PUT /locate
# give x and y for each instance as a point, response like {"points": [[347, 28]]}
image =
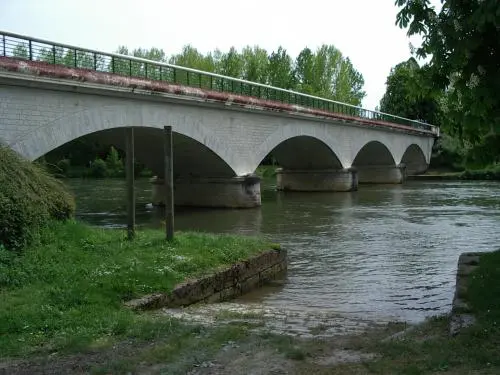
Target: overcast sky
{"points": [[364, 30]]}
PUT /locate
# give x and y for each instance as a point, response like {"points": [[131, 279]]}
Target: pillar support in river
{"points": [[223, 192], [381, 174], [316, 180]]}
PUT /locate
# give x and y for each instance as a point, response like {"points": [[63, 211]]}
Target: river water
{"points": [[383, 253]]}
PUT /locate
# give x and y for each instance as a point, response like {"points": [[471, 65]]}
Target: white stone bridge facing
{"points": [[219, 139]]}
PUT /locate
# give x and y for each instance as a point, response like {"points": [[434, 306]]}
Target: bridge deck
{"points": [[41, 69], [23, 54]]}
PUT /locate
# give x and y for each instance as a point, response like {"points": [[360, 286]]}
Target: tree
{"points": [[464, 42], [328, 74], [52, 55], [304, 71], [280, 70], [409, 93], [255, 64], [153, 53], [230, 64], [191, 58], [137, 68], [21, 51], [349, 84]]}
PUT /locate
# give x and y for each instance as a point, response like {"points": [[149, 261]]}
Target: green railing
{"points": [[24, 47]]}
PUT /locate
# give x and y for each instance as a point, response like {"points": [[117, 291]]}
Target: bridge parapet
{"points": [[147, 73]]}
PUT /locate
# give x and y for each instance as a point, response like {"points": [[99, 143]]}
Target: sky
{"points": [[363, 30]]}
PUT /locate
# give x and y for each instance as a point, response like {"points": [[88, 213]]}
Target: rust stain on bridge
{"points": [[38, 68]]}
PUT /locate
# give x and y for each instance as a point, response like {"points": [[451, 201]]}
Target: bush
{"points": [[447, 153], [114, 163], [491, 172], [484, 153], [64, 166], [99, 168], [29, 199]]}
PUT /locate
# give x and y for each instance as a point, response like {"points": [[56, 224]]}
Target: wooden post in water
{"points": [[129, 170], [169, 183]]}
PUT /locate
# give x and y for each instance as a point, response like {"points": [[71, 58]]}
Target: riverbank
{"points": [[486, 174], [238, 344], [66, 292]]}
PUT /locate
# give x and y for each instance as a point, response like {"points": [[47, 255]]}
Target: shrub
{"points": [[114, 163], [99, 168], [485, 152], [29, 199], [447, 153], [64, 165]]}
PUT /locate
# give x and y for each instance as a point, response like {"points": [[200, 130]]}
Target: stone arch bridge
{"points": [[219, 138]]}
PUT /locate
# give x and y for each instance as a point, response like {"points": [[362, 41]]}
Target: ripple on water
{"points": [[381, 254]]}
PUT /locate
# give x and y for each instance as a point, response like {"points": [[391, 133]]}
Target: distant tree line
{"points": [[324, 72]]}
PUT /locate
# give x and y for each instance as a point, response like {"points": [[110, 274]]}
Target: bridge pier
{"points": [[316, 180], [382, 174], [223, 192]]}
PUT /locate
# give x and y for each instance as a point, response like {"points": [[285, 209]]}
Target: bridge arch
{"points": [[109, 122], [414, 159], [374, 153], [305, 152], [191, 158], [301, 148]]}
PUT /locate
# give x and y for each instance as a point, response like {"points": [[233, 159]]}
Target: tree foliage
{"points": [[255, 64], [409, 94], [464, 42], [328, 74], [324, 72]]}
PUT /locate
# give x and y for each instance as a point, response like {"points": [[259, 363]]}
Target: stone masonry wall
{"points": [[39, 113], [316, 180], [461, 314], [222, 285]]}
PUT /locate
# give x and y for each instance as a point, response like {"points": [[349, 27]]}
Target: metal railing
{"points": [[34, 49]]}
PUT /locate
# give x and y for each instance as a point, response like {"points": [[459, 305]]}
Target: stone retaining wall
{"points": [[222, 285], [461, 314]]}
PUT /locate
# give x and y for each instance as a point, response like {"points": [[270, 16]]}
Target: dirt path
{"points": [[225, 343], [255, 354]]}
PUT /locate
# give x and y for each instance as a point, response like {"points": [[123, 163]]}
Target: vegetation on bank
{"points": [[81, 159], [65, 292], [266, 171], [457, 88], [63, 283], [159, 344], [29, 199]]}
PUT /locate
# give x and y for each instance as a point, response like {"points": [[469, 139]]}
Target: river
{"points": [[383, 253]]}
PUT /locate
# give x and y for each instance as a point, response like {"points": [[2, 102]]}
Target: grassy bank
{"points": [[65, 292], [157, 345], [424, 349], [491, 172]]}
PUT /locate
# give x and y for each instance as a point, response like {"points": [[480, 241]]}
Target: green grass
{"points": [[266, 171], [491, 172], [66, 292], [177, 350]]}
